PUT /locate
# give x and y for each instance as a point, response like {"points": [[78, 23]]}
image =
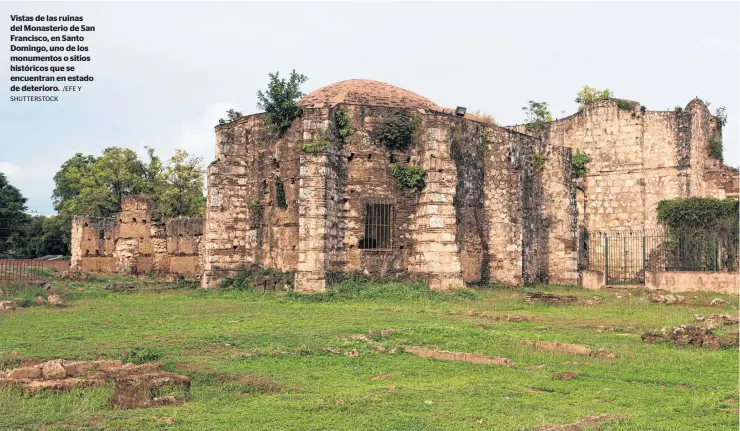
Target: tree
{"points": [[96, 186], [536, 113], [39, 236], [589, 94], [183, 190], [279, 101], [12, 212]]}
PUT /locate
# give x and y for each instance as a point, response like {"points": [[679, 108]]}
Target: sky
{"points": [[166, 72]]}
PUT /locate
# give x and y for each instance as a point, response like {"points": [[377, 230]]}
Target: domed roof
{"points": [[366, 92]]}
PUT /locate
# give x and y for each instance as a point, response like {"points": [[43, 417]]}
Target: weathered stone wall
{"points": [[137, 241], [639, 158], [466, 225], [244, 224]]}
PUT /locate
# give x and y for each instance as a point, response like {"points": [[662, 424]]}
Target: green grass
{"points": [[216, 337]]}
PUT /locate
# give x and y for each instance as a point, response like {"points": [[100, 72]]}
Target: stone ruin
{"points": [[136, 386], [137, 241], [499, 204]]}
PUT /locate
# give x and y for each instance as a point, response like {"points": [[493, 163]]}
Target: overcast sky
{"points": [[165, 72]]}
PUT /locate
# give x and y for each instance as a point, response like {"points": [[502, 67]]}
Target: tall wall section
{"points": [[137, 241], [639, 158]]}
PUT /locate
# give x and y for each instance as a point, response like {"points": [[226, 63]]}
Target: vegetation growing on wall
{"points": [[590, 94], [536, 113], [279, 101], [342, 123], [721, 115], [702, 213], [481, 116], [256, 210], [396, 131], [280, 193], [538, 161], [231, 116], [409, 177], [625, 105], [578, 162], [715, 148]]}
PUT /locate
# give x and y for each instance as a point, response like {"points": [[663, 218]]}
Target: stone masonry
{"points": [[498, 204], [137, 241]]}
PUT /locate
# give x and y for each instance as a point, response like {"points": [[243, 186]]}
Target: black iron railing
{"points": [[625, 254]]}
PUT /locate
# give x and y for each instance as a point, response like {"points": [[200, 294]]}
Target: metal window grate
{"points": [[378, 226]]}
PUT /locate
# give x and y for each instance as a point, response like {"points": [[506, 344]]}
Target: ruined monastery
{"points": [[379, 180]]}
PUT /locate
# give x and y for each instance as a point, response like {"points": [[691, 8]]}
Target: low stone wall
{"points": [[137, 241], [693, 281]]}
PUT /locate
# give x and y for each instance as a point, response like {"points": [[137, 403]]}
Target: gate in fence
{"points": [[624, 255]]}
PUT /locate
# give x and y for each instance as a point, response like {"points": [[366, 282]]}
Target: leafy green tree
{"points": [[590, 94], [39, 236], [279, 101], [12, 211], [182, 191], [536, 113], [96, 186]]}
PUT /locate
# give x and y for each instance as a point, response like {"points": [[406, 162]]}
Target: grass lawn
{"points": [[216, 337]]}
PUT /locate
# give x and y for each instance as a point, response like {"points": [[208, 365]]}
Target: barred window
{"points": [[378, 226]]}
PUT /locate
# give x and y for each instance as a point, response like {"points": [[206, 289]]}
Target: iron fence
{"points": [[625, 254], [28, 270]]}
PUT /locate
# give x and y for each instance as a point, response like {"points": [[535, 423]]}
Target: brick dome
{"points": [[366, 92]]}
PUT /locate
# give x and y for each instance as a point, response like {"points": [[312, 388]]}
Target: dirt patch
{"points": [[564, 376], [137, 386], [587, 423], [575, 349], [472, 358], [548, 298], [258, 384]]}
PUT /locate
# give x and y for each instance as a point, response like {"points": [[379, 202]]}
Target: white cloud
{"points": [[9, 169], [196, 135]]}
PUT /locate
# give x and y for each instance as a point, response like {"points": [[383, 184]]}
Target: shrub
{"points": [[279, 101], [280, 193], [715, 148], [538, 161], [703, 213], [578, 162], [721, 115], [231, 116], [409, 177], [395, 132], [625, 105], [589, 94], [342, 123], [141, 355]]}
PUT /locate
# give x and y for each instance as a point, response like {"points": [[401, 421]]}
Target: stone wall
{"points": [[137, 241], [466, 225], [639, 158]]}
